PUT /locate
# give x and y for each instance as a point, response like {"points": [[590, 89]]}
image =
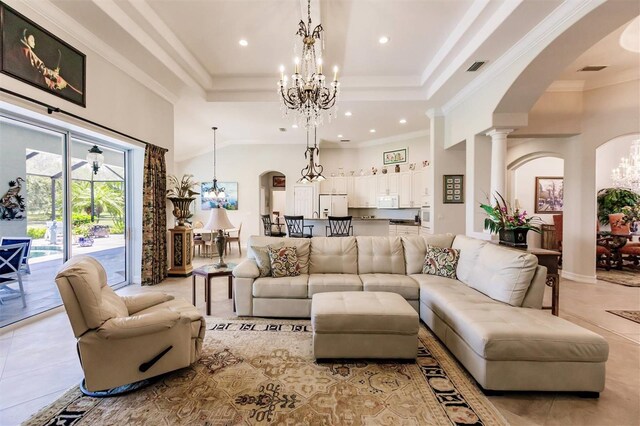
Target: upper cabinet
{"points": [[334, 185], [387, 184], [419, 191]]}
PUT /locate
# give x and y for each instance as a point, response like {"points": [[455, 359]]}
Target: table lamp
{"points": [[218, 220]]}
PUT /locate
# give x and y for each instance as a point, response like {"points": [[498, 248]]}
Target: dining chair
{"points": [[295, 227], [11, 272], [631, 250], [231, 239], [339, 226], [208, 241], [267, 226], [7, 241]]}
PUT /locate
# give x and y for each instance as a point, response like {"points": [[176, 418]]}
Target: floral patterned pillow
{"points": [[263, 261], [441, 261], [284, 262]]}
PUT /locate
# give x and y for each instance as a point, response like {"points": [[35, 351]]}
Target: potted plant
{"points": [[511, 225], [84, 234], [180, 193], [612, 200], [631, 216]]}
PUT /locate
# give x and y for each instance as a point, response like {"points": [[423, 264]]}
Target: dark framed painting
{"points": [[228, 202], [397, 156], [549, 194], [453, 189], [279, 182], [34, 56]]}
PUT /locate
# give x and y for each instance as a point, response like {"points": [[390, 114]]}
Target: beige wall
{"points": [[554, 114]]}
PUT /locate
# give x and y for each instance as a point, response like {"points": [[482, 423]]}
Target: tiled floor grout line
{"points": [[6, 357], [63, 390], [635, 342]]}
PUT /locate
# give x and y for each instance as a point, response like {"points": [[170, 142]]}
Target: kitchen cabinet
{"points": [[400, 230], [387, 184], [404, 194], [364, 192], [419, 190], [334, 185]]}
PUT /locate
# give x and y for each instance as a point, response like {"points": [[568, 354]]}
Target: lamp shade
{"points": [[218, 219]]}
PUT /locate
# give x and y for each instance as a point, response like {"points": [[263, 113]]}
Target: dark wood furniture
{"points": [[339, 226], [268, 227], [208, 272], [550, 259], [295, 227], [549, 241]]}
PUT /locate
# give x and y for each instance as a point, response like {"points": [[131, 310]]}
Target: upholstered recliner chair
{"points": [[124, 340]]}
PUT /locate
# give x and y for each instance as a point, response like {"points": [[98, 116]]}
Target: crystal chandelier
{"points": [[627, 174], [312, 172], [308, 96], [215, 192]]}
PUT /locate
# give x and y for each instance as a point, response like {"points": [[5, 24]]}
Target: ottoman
{"points": [[361, 324]]}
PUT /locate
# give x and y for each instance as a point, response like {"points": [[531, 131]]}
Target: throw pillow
{"points": [[284, 262], [441, 261], [261, 254]]}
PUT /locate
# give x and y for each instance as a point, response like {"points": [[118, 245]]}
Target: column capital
{"points": [[499, 132]]}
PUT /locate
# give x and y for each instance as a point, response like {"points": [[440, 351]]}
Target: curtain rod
{"points": [[52, 109]]}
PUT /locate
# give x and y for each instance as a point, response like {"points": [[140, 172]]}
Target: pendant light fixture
{"points": [[215, 192], [312, 172]]}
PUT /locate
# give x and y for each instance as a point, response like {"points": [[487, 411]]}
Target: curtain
{"points": [[154, 216]]}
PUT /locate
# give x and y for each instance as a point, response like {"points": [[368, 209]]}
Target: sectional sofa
{"points": [[490, 317]]}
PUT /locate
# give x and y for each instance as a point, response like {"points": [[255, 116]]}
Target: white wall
{"points": [[524, 189], [608, 157]]}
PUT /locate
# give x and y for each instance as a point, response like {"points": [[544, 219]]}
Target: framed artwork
{"points": [[398, 156], [229, 202], [279, 182], [33, 55], [549, 194], [453, 189]]}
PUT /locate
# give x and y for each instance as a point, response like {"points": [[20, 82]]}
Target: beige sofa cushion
{"points": [[302, 246], [392, 283], [469, 252], [98, 302], [503, 274], [499, 332], [415, 249], [333, 255], [285, 287], [363, 313], [324, 283], [383, 255]]}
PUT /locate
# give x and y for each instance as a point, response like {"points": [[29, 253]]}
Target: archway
{"points": [[273, 194]]}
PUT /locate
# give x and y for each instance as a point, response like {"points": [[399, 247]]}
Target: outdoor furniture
{"points": [[229, 239], [6, 241], [295, 227], [339, 226], [10, 272], [268, 227]]}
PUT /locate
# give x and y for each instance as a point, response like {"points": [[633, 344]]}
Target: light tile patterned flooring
{"points": [[38, 360]]}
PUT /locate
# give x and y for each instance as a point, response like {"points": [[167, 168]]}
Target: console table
{"points": [[549, 258]]}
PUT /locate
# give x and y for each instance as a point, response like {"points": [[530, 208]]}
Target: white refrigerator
{"points": [[333, 205]]}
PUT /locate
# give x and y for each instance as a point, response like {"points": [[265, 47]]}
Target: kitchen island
{"points": [[370, 227]]}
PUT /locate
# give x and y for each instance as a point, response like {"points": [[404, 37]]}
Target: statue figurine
{"points": [[397, 168]]}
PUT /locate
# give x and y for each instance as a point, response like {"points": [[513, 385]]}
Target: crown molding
{"points": [[56, 17], [566, 86], [625, 76], [561, 18], [120, 17], [163, 30]]}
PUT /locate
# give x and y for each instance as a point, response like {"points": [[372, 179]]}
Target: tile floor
{"points": [[38, 360]]}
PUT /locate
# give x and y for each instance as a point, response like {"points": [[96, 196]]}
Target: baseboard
{"points": [[589, 279]]}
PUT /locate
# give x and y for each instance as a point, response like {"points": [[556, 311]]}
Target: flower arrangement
{"points": [[502, 216], [631, 216], [181, 188]]}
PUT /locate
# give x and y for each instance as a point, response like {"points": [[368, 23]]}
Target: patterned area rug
{"points": [[630, 315], [622, 277], [263, 372]]}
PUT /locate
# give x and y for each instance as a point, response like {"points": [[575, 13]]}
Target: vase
{"points": [[633, 227], [515, 237], [181, 208]]}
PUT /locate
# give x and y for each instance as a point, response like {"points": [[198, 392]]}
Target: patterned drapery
{"points": [[154, 216]]}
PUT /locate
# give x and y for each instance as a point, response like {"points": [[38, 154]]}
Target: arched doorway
{"points": [[273, 194]]}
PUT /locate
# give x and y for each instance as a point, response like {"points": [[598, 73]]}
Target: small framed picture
{"points": [[279, 182], [453, 189], [398, 156], [549, 194]]}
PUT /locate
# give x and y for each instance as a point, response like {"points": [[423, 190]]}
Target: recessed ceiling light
{"points": [[348, 113], [403, 121], [243, 42], [294, 126], [383, 40], [372, 131], [339, 136]]}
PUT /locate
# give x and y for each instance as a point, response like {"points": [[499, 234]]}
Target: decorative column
{"points": [[498, 161], [181, 240]]}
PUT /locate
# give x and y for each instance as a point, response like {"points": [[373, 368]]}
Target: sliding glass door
{"points": [[61, 203]]}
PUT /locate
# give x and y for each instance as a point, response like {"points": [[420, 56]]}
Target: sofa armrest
{"points": [[138, 302], [138, 325], [248, 268]]}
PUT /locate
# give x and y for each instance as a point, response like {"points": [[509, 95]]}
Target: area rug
{"points": [[630, 315], [263, 372], [622, 277]]}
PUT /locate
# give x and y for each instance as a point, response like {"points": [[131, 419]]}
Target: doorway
{"points": [[273, 195]]}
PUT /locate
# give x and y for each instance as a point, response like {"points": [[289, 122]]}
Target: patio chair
{"points": [[7, 241], [10, 272]]}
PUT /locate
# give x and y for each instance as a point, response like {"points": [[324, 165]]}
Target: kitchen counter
{"points": [[372, 227]]}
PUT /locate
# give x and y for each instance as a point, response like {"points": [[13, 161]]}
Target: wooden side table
{"points": [[208, 272], [549, 258]]}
